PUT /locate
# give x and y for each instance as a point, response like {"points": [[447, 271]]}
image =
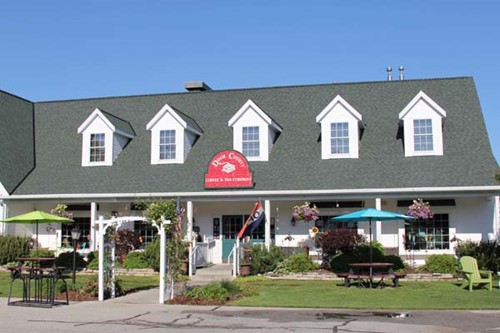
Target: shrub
{"points": [[42, 253], [487, 253], [66, 259], [12, 247], [214, 292], [152, 253], [296, 263], [263, 261], [442, 263], [340, 240], [126, 241], [92, 288], [93, 260], [340, 262], [135, 260]]}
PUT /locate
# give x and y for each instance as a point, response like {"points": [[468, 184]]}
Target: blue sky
{"points": [[53, 50]]}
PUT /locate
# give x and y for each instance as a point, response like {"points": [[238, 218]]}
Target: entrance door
{"points": [[231, 226]]}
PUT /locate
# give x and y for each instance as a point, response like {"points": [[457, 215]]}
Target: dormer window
{"points": [[173, 134], [104, 136], [250, 141], [340, 138], [422, 121], [340, 130], [422, 135], [254, 132], [97, 147], [167, 145]]}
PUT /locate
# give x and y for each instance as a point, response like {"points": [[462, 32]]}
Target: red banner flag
{"points": [[254, 220]]}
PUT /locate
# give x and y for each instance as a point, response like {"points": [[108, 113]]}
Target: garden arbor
{"points": [[117, 223]]}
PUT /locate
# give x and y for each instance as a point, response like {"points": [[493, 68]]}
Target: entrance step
{"points": [[206, 275]]}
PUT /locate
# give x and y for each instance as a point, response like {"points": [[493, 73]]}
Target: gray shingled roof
{"points": [[17, 155], [120, 124], [295, 161]]}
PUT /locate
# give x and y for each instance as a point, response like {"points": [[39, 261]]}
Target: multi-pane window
{"points": [[325, 223], [97, 147], [428, 234], [422, 131], [250, 142], [340, 138], [167, 145], [147, 232], [232, 224], [83, 223]]}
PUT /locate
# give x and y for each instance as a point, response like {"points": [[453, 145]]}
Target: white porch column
{"points": [[496, 217], [267, 209], [378, 225], [93, 233], [3, 215], [101, 259], [189, 221]]}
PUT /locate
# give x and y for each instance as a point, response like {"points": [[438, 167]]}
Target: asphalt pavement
{"points": [[142, 311]]}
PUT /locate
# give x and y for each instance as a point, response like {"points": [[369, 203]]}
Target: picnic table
{"points": [[371, 275], [38, 277]]}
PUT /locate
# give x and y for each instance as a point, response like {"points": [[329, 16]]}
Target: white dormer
{"points": [[173, 134], [103, 138], [254, 132], [422, 121], [3, 191], [340, 124]]}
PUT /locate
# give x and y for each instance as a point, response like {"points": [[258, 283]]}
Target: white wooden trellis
{"points": [[117, 222]]}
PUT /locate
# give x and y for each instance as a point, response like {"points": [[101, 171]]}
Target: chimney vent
{"points": [[389, 73], [196, 86], [401, 72]]}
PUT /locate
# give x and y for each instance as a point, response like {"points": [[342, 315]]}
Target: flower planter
{"points": [[244, 269]]}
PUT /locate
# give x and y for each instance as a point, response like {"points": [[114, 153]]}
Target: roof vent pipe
{"points": [[389, 73], [401, 72]]}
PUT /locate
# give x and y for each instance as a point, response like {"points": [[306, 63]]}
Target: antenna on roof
{"points": [[389, 73], [401, 72]]}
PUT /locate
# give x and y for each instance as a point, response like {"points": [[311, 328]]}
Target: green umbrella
{"points": [[36, 217]]}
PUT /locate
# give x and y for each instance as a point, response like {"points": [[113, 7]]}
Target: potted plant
{"points": [[305, 213], [246, 262]]}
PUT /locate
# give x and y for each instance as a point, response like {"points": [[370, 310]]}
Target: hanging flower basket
{"points": [[420, 210], [305, 213]]}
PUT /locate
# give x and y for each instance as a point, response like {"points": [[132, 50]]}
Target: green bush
{"points": [[152, 253], [487, 253], [296, 263], [12, 247], [92, 288], [66, 259], [442, 263], [263, 261], [135, 260], [93, 260], [340, 262], [214, 292]]}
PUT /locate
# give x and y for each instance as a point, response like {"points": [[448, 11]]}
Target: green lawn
{"points": [[130, 283], [332, 294]]}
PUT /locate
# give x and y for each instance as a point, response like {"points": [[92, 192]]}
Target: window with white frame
{"points": [[251, 141], [97, 147], [340, 138], [167, 145], [422, 133], [422, 121], [341, 126]]}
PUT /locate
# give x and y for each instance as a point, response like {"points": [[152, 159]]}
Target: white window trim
{"points": [[89, 127], [181, 132], [339, 111], [3, 191], [422, 107], [251, 115]]}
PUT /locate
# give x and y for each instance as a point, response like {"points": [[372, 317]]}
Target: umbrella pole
{"points": [[371, 252], [36, 239]]}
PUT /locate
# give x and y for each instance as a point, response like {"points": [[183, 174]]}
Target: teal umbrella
{"points": [[370, 214], [36, 217]]}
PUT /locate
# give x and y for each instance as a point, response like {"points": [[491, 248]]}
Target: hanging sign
{"points": [[228, 169]]}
